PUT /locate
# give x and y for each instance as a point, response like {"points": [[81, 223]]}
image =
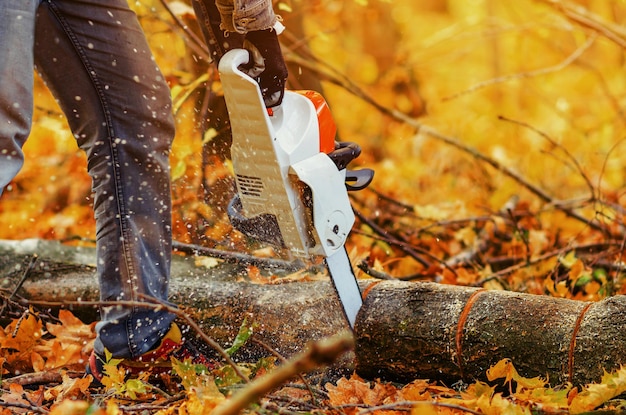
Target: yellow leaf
{"points": [[467, 235], [594, 395], [179, 170], [576, 270], [569, 259], [505, 369], [112, 408], [70, 407], [201, 402], [70, 388], [282, 6], [501, 406], [209, 135], [424, 408], [206, 262], [134, 387], [432, 212]]}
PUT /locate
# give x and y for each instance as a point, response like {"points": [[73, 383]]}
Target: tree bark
{"points": [[404, 330], [287, 316], [425, 330]]}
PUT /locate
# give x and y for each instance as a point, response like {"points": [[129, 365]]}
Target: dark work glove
{"points": [[266, 65]]}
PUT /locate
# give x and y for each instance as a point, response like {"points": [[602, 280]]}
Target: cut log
{"points": [[404, 330], [426, 330], [287, 316]]}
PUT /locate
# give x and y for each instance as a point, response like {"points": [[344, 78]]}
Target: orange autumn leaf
{"points": [[71, 328], [18, 395], [70, 388], [37, 361], [254, 273], [22, 334], [75, 407], [18, 341], [72, 344], [63, 355], [358, 391]]}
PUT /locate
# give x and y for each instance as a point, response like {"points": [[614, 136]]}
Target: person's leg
{"points": [[95, 59], [17, 22]]}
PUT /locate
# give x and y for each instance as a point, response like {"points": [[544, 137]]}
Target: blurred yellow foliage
{"points": [[535, 85]]}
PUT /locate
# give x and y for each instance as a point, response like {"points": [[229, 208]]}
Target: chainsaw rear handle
{"points": [[343, 154]]}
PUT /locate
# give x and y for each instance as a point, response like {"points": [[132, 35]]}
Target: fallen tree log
{"points": [[286, 316], [426, 330], [404, 330]]}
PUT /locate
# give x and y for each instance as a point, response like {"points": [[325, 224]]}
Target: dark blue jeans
{"points": [[95, 59]]}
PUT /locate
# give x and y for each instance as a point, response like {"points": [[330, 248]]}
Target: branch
{"points": [[543, 71], [591, 21], [238, 257], [351, 87], [406, 248], [569, 155], [32, 408], [25, 275], [151, 303], [540, 258], [319, 354], [408, 406], [537, 191], [196, 44]]}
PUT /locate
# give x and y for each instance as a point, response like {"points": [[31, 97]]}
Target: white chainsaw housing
{"points": [[273, 156]]}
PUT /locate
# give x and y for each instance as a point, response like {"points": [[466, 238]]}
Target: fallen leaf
{"points": [[70, 388], [505, 369], [594, 395]]}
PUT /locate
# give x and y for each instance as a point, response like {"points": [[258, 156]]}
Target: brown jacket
{"points": [[243, 16]]}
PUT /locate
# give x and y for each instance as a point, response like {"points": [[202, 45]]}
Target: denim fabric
{"points": [[94, 57]]}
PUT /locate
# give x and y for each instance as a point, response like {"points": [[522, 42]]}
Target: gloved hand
{"points": [[266, 65]]}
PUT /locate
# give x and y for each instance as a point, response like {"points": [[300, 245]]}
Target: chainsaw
{"points": [[291, 175]]}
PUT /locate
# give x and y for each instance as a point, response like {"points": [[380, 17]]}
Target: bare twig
{"points": [[537, 191], [51, 376], [25, 275], [545, 256], [569, 155], [196, 43], [409, 405], [585, 18], [543, 71], [409, 250], [155, 304], [284, 360], [374, 273], [18, 405], [424, 129], [482, 242], [318, 354], [238, 257]]}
